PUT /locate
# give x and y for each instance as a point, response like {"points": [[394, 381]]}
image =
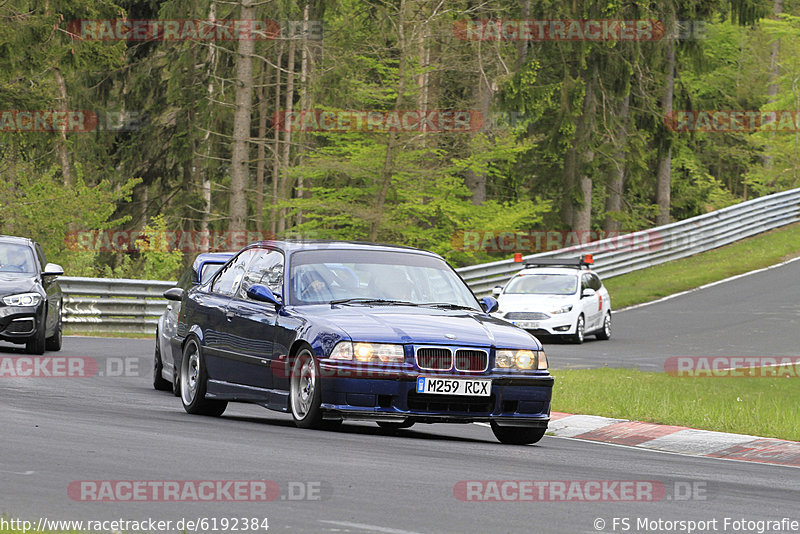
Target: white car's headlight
{"points": [[562, 309], [520, 359], [368, 352], [23, 299]]}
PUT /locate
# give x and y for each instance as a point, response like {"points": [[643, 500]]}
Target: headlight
{"points": [[23, 299], [520, 359], [562, 309], [368, 352]]}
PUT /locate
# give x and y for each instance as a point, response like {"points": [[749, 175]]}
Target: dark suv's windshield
{"points": [[16, 258]]}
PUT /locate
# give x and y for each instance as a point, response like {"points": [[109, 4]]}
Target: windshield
{"points": [[16, 259], [543, 284], [322, 276]]}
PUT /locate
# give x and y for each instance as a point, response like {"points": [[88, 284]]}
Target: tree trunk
{"points": [[303, 95], [582, 218], [261, 152], [388, 162], [284, 188], [772, 88], [664, 170], [617, 182], [476, 182], [276, 143], [61, 145], [240, 165]]}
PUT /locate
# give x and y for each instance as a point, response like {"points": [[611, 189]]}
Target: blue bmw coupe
{"points": [[329, 331]]}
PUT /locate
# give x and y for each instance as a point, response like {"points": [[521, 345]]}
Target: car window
{"points": [[585, 282], [41, 256], [266, 268], [594, 282], [227, 280], [207, 270], [543, 284], [16, 258]]}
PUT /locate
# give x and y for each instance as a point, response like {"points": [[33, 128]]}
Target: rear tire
{"points": [[193, 383], [158, 379], [605, 332], [517, 435]]}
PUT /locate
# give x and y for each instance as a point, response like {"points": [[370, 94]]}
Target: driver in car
{"points": [[16, 261]]}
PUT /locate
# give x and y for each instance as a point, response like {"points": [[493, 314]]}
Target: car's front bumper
{"points": [[559, 324], [20, 323], [515, 400]]}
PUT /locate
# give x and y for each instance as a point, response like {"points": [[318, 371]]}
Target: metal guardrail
{"points": [[113, 305], [619, 255], [124, 305]]}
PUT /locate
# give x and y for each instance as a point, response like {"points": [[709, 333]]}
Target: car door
{"points": [[251, 324], [53, 290], [211, 313], [590, 305]]}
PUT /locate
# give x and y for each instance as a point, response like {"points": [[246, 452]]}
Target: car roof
{"points": [[15, 239], [207, 257], [554, 270], [297, 245]]}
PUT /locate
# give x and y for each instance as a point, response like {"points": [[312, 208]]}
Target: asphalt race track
{"points": [[755, 315], [113, 426]]}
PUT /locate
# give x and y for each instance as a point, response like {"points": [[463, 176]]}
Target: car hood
{"points": [[533, 303], [422, 325], [11, 283]]}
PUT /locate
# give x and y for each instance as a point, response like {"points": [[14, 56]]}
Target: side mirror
{"points": [[489, 304], [496, 290], [588, 292], [174, 293], [53, 269], [262, 293]]}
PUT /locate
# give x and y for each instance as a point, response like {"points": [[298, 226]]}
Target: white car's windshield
{"points": [[543, 284], [322, 276]]}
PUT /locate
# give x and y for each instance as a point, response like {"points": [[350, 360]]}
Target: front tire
{"points": [[305, 394], [517, 435], [54, 343], [580, 331], [38, 342], [605, 333], [193, 383]]}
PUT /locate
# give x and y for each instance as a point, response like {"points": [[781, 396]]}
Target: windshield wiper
{"points": [[448, 305], [362, 300]]}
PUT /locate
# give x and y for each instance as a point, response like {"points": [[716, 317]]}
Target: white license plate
{"points": [[527, 324], [454, 386]]}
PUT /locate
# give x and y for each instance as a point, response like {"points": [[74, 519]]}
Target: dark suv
{"points": [[30, 297]]}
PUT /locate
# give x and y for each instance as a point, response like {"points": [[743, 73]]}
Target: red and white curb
{"points": [[677, 439]]}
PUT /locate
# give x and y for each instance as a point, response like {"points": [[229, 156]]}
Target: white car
{"points": [[557, 298]]}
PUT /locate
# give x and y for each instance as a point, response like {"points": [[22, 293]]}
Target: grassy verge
{"points": [[89, 333], [758, 406], [749, 254]]}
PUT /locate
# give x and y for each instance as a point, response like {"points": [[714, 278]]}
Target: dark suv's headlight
{"points": [[22, 299]]}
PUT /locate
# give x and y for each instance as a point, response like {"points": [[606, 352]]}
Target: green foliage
{"points": [[40, 206]]}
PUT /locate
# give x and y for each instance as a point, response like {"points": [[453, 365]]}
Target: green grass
{"points": [[89, 333], [764, 407], [673, 277]]}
